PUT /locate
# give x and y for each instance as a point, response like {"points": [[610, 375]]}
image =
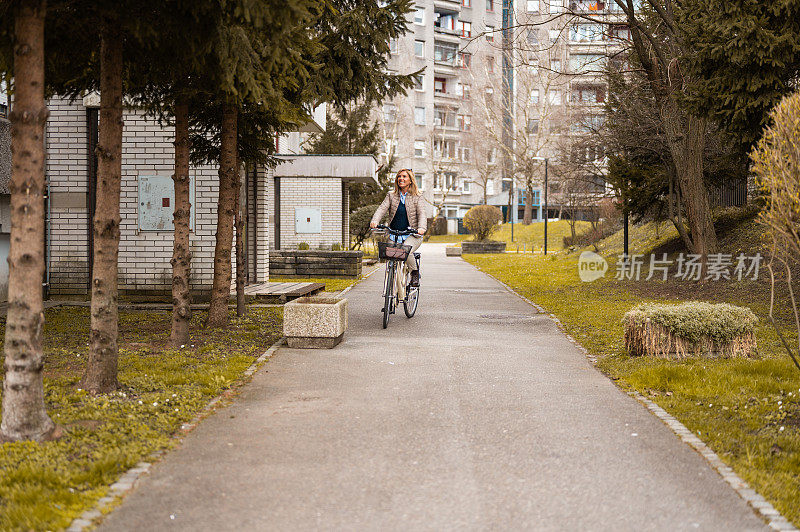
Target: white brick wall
{"points": [[323, 193], [144, 257]]}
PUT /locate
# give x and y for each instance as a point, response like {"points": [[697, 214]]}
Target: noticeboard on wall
{"points": [[307, 220], [157, 203]]}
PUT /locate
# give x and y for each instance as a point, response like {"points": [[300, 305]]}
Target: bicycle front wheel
{"points": [[411, 301], [388, 294]]}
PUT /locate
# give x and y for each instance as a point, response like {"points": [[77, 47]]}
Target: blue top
{"points": [[400, 221]]}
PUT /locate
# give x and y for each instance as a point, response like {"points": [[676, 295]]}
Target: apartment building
{"points": [[456, 44], [563, 48], [505, 85]]}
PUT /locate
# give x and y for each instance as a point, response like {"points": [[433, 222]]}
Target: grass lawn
{"points": [[45, 486], [331, 284], [746, 410], [531, 235]]}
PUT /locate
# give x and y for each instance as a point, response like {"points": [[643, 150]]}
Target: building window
{"points": [[419, 82], [390, 113], [489, 5], [420, 181], [440, 85], [419, 16], [463, 90], [464, 122], [444, 149], [419, 148], [466, 186], [588, 95], [466, 154], [622, 33], [533, 37], [445, 52], [533, 126], [419, 116], [419, 48], [464, 59], [588, 6], [533, 6], [466, 3], [555, 65], [490, 63], [585, 63], [554, 97], [553, 34], [556, 6], [490, 33], [586, 33], [489, 96], [466, 29], [393, 46], [443, 117], [445, 22], [535, 96], [491, 157], [490, 188]]}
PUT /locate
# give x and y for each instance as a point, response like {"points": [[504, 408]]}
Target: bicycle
{"points": [[397, 285]]}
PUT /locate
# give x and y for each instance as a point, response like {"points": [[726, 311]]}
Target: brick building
{"points": [[147, 203]]}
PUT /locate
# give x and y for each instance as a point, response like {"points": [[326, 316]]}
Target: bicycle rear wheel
{"points": [[388, 294]]}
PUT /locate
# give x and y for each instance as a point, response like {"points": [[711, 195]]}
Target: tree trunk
{"points": [[240, 266], [221, 289], [181, 255], [24, 413], [674, 210], [527, 217], [686, 140], [101, 369]]}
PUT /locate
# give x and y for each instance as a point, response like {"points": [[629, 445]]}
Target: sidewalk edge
{"points": [[758, 503], [127, 480]]}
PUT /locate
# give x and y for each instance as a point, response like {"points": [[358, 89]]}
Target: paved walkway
{"points": [[477, 414]]}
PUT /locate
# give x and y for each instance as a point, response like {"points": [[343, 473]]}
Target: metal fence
{"points": [[729, 194]]}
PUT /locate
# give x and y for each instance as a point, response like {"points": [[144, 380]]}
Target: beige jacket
{"points": [[415, 208]]}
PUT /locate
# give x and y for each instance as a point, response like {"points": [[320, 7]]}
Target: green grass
{"points": [[747, 410], [532, 236], [45, 486], [331, 284]]}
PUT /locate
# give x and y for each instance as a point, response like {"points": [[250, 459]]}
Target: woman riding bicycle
{"points": [[406, 209]]}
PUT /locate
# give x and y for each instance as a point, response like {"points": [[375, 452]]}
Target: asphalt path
{"points": [[476, 414]]}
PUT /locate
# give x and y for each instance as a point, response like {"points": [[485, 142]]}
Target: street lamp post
{"points": [[545, 159]]}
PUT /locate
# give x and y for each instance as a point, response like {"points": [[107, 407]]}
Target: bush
{"points": [[336, 247], [359, 224], [482, 220], [303, 245], [691, 328]]}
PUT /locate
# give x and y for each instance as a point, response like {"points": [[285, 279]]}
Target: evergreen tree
{"points": [[24, 413], [745, 58]]}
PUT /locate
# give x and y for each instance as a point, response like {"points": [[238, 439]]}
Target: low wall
{"points": [[315, 263]]}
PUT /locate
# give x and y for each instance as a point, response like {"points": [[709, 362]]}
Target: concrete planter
{"points": [[315, 322], [487, 246], [452, 251]]}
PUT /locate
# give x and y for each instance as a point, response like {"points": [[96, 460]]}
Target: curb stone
{"points": [[128, 479], [759, 504]]}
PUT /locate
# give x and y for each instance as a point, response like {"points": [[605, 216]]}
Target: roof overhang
{"points": [[348, 168]]}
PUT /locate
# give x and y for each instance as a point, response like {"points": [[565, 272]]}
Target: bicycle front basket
{"points": [[392, 251]]}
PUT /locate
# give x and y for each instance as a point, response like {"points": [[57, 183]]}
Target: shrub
{"points": [[776, 164], [336, 246], [359, 224], [690, 328], [482, 220], [303, 245]]}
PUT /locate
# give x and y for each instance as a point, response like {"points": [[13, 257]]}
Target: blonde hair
{"points": [[412, 188]]}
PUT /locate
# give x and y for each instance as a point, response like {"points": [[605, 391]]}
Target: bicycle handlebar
{"points": [[395, 232]]}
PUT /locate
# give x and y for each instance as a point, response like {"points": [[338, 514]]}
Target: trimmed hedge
{"points": [[693, 328]]}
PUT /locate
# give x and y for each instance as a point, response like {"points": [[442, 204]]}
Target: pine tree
{"points": [[24, 413]]}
